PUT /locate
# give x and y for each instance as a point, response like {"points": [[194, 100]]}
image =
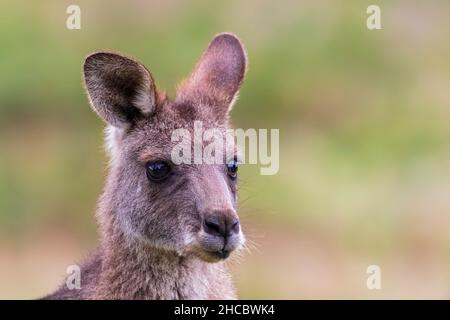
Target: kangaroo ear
{"points": [[120, 89], [218, 74]]}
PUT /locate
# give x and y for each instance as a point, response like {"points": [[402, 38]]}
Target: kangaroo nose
{"points": [[221, 225]]}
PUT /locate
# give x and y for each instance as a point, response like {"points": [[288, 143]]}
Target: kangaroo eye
{"points": [[232, 168], [158, 170]]}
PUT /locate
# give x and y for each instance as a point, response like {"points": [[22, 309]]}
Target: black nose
{"points": [[221, 225]]}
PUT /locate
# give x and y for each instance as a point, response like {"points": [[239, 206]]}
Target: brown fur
{"points": [[153, 242]]}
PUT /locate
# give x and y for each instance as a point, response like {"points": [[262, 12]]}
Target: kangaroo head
{"points": [[187, 208]]}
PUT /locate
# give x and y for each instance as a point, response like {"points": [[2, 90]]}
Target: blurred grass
{"points": [[363, 118]]}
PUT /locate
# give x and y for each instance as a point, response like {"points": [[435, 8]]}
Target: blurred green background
{"points": [[364, 120]]}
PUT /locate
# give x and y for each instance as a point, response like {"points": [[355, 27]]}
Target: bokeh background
{"points": [[364, 119]]}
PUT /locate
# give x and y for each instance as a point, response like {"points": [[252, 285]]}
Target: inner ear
{"points": [[218, 74], [120, 89]]}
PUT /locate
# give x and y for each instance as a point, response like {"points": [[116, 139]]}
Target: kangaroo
{"points": [[165, 229]]}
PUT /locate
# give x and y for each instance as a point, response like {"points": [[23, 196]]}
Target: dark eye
{"points": [[158, 170], [232, 168]]}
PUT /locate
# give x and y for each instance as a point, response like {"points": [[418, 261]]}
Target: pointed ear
{"points": [[120, 89], [218, 74]]}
